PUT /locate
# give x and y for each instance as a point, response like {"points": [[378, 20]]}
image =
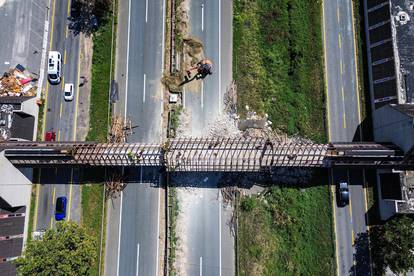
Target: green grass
{"points": [[278, 69], [92, 195], [41, 116], [287, 231], [173, 213], [92, 200], [101, 68], [278, 63]]}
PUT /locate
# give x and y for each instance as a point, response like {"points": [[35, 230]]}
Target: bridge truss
{"points": [[230, 155]]}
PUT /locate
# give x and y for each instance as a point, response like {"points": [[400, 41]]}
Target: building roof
{"points": [[402, 12]]}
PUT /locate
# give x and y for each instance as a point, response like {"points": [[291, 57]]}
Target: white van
{"points": [[54, 67]]}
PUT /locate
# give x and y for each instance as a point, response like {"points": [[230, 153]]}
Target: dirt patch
{"points": [[86, 51]]}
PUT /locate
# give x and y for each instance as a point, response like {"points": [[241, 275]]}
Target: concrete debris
{"points": [[18, 82], [114, 186], [120, 128]]}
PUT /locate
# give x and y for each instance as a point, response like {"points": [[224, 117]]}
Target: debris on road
{"points": [[18, 82], [120, 128], [114, 186]]}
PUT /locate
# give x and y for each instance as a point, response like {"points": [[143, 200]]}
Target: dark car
{"points": [[343, 194], [60, 211]]}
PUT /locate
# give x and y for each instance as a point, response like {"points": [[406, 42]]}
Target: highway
{"points": [[209, 245], [344, 118], [61, 117], [135, 217]]}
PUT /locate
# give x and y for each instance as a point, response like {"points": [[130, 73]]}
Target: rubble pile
{"points": [[120, 128], [17, 82]]}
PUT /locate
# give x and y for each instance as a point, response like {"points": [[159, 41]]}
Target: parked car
{"points": [[60, 209], [343, 194], [68, 93]]}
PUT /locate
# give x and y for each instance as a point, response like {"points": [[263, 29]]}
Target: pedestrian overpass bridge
{"points": [[209, 155]]}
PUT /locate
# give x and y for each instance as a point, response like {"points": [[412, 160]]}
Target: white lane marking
{"points": [[143, 95], [119, 235], [158, 231], [202, 94], [202, 17], [127, 67], [220, 233], [146, 10], [219, 63], [137, 260], [201, 266]]}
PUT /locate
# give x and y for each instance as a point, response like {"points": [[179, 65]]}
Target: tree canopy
{"points": [[66, 250], [86, 15], [393, 245]]}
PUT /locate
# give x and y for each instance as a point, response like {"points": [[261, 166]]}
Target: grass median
{"points": [[93, 213], [278, 69], [278, 63], [287, 231]]}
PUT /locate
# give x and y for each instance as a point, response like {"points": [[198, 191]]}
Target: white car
{"points": [[54, 66], [68, 93]]}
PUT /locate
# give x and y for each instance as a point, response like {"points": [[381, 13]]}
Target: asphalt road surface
{"points": [[138, 73], [60, 117], [210, 245], [344, 120]]}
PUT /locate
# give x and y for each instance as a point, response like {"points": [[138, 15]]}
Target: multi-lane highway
{"points": [[133, 238], [209, 245], [344, 119], [61, 117]]}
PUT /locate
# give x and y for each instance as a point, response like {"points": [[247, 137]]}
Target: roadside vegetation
{"points": [[93, 195], [278, 69], [66, 250], [278, 63], [173, 210], [393, 245], [287, 231]]}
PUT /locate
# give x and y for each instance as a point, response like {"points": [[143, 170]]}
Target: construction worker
{"points": [[204, 67]]}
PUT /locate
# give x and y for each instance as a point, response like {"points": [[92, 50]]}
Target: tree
{"points": [[393, 245], [66, 250], [86, 15]]}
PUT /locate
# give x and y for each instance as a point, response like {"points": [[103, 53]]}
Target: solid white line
{"points": [[220, 233], [137, 260], [143, 95], [202, 94], [201, 266], [127, 67], [146, 10], [219, 57], [119, 235], [202, 17], [158, 231]]}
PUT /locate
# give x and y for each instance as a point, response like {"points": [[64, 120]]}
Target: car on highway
{"points": [[343, 194], [50, 136], [54, 66], [60, 209], [68, 93]]}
